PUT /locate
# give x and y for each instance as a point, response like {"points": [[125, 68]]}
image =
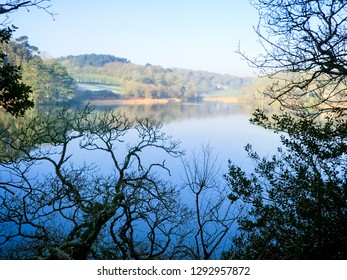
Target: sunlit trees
{"points": [[149, 80], [50, 82], [54, 206], [14, 95], [304, 51], [19, 51]]}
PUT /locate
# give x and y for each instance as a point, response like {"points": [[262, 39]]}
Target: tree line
{"points": [[97, 60], [49, 81], [54, 80], [149, 81]]}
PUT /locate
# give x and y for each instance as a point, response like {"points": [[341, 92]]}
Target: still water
{"points": [[224, 127]]}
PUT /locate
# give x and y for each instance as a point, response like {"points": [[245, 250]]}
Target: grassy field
{"points": [[225, 96], [98, 86], [96, 78]]}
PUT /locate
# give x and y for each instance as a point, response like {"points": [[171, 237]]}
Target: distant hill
{"points": [[149, 81], [96, 60]]}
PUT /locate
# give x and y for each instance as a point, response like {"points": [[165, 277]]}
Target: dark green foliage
{"points": [[296, 201], [50, 81], [87, 95], [96, 60], [14, 95]]}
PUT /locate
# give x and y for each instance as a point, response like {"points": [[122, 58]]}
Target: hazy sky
{"points": [[193, 34]]}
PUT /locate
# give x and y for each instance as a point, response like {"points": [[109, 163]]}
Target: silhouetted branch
{"points": [[304, 53]]}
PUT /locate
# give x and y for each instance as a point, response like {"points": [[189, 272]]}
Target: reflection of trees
{"points": [[173, 111], [54, 208]]}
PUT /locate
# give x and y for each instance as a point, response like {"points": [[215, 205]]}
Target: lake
{"points": [[224, 127]]}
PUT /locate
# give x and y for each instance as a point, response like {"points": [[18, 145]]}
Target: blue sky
{"points": [[193, 34]]}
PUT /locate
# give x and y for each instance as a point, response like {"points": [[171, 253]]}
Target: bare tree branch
{"points": [[213, 212], [304, 52], [69, 209]]}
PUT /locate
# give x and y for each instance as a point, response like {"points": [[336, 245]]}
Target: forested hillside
{"points": [[49, 80], [148, 81], [101, 76], [97, 60]]}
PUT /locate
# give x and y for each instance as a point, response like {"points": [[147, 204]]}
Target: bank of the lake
{"points": [[149, 101]]}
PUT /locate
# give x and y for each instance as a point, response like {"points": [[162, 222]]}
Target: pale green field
{"points": [[97, 87]]}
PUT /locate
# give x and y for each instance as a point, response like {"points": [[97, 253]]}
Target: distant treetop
{"points": [[97, 60]]}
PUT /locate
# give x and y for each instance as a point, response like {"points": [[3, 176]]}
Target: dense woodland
{"points": [[49, 80], [148, 81], [55, 80]]}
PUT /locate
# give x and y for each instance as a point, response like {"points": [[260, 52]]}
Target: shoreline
{"points": [[149, 101], [139, 101]]}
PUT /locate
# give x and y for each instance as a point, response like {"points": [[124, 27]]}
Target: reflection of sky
{"points": [[227, 135], [224, 127], [226, 132]]}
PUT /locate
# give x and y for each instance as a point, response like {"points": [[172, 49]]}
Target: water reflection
{"points": [[223, 126], [176, 111]]}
